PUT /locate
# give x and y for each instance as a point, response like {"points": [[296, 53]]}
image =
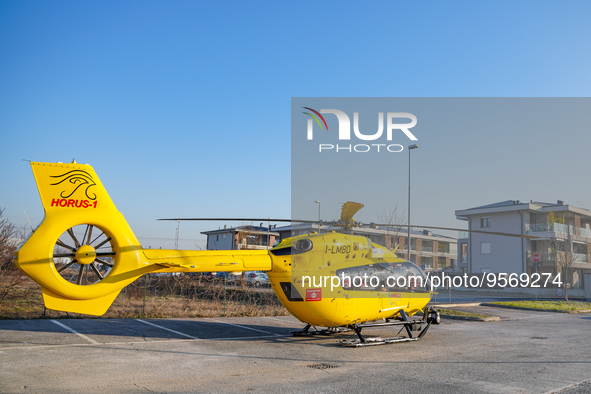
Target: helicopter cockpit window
{"points": [[399, 276]]}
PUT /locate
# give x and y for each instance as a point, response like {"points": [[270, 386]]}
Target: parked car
{"points": [[226, 277], [257, 279], [208, 275], [221, 277]]}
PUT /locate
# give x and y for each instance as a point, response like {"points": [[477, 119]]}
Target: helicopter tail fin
{"points": [[83, 252], [72, 188]]}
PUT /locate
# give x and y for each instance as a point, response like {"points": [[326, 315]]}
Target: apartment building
{"points": [[557, 230], [242, 237]]}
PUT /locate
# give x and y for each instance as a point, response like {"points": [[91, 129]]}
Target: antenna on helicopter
{"points": [[32, 229]]}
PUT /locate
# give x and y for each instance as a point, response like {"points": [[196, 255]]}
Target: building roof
{"points": [[506, 203], [242, 229], [516, 205]]}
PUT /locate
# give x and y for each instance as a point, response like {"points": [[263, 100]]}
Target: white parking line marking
{"points": [[167, 329], [247, 328], [136, 343], [288, 322], [75, 332]]}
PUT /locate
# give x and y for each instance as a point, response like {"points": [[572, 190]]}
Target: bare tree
{"points": [[8, 243], [391, 219], [10, 238], [561, 251]]}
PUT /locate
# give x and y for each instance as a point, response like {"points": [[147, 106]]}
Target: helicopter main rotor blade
{"points": [[243, 220], [336, 224], [457, 229]]}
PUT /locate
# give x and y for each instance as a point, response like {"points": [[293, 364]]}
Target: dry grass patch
{"points": [[548, 305], [166, 296]]}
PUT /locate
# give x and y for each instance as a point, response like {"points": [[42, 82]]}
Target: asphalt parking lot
{"points": [[524, 352]]}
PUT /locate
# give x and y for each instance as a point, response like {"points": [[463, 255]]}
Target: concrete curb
{"points": [[448, 305], [471, 318], [532, 309]]}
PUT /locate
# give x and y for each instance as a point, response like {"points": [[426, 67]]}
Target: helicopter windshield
{"points": [[399, 276]]}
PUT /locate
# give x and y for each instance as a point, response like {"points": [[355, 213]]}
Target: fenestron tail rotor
{"points": [[83, 255]]}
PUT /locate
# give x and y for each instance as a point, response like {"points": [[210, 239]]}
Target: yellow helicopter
{"points": [[334, 280]]}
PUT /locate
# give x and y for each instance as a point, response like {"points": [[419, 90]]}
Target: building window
{"points": [[464, 253], [485, 248], [484, 222]]}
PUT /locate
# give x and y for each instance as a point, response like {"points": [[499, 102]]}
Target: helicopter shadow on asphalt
{"points": [[105, 331]]}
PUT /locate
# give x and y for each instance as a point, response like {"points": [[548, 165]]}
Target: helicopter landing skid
{"points": [[305, 332], [429, 316], [375, 341]]}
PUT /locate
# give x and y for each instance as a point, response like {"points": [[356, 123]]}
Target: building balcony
{"points": [[557, 228], [251, 247], [549, 227], [425, 253]]}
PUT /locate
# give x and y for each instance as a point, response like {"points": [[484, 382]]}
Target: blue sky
{"points": [[183, 107]]}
